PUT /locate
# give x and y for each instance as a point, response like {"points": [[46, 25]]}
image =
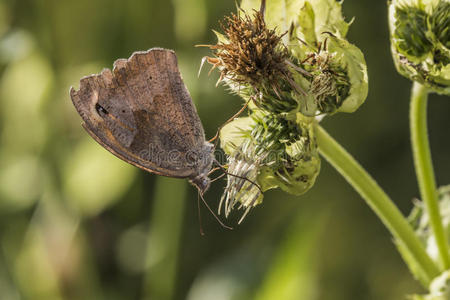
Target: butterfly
{"points": [[142, 112]]}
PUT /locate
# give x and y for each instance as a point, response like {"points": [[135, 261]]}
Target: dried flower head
{"points": [[253, 60], [252, 54]]}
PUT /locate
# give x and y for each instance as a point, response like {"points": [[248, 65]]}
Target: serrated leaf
{"points": [[328, 17]]}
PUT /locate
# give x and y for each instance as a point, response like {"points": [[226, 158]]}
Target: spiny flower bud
{"points": [[420, 41], [267, 151], [339, 81]]}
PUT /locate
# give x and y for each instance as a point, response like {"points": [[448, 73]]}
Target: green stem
{"points": [[424, 168], [377, 199]]}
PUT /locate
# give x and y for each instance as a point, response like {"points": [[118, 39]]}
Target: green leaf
{"points": [[328, 17], [232, 134], [306, 21], [279, 14]]}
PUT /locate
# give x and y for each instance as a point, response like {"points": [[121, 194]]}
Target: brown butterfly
{"points": [[142, 112]]}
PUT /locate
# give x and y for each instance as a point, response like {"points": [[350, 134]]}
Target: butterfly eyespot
{"points": [[100, 109]]}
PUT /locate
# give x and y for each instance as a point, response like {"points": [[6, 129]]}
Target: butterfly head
{"points": [[201, 182]]}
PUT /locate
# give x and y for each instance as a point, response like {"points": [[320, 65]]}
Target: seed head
{"points": [[253, 54], [255, 63]]}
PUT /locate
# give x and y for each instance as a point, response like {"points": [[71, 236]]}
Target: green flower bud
{"points": [[339, 81], [420, 41], [269, 151]]}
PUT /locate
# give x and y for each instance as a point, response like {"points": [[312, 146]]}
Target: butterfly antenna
{"points": [[228, 121], [237, 176], [213, 170], [211, 211], [199, 215]]}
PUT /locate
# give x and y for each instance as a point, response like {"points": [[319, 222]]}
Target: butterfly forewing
{"points": [[143, 113]]}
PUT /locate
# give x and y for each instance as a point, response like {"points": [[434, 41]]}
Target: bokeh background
{"points": [[78, 223]]}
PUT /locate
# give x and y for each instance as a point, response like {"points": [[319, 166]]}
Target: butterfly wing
{"points": [[142, 112]]}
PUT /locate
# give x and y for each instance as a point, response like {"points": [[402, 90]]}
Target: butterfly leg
{"points": [[211, 211], [217, 178]]}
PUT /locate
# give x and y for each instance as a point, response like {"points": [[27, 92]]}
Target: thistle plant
{"points": [[289, 79], [292, 65]]}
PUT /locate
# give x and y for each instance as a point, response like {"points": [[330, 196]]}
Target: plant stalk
{"points": [[377, 199], [424, 168]]}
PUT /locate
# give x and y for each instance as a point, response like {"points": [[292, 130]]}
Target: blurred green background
{"points": [[78, 223]]}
